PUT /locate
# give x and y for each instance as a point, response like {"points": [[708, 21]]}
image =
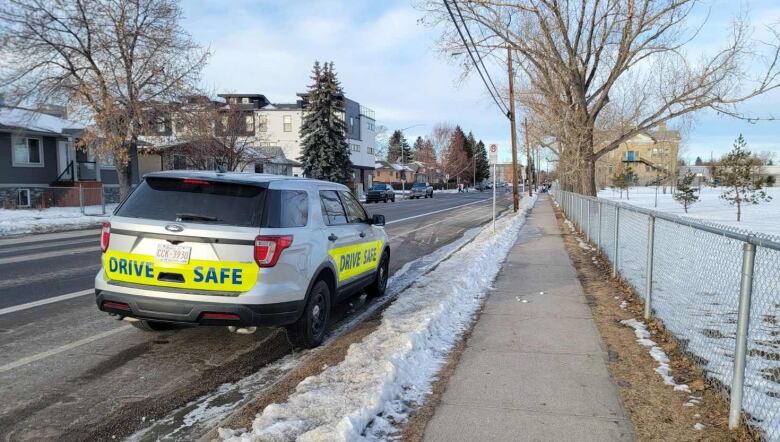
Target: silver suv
{"points": [[241, 250]]}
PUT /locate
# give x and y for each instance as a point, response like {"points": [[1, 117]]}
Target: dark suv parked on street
{"points": [[380, 192]]}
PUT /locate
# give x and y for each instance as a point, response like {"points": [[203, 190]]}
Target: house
{"points": [[393, 173], [425, 173], [40, 165], [702, 174], [267, 125], [652, 157]]}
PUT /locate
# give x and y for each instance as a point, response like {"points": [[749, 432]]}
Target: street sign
{"points": [[493, 153]]}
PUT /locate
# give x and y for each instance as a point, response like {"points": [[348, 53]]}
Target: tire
{"points": [[152, 326], [378, 287], [309, 330], [393, 198]]}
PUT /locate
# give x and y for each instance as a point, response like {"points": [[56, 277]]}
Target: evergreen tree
{"points": [[622, 180], [686, 194], [325, 152], [739, 175], [470, 147], [699, 162], [422, 151], [395, 146], [483, 165]]}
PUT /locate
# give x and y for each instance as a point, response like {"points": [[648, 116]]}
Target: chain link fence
{"points": [[716, 288]]}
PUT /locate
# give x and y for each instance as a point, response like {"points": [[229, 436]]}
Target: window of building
{"points": [[370, 125], [262, 123], [249, 121], [160, 126], [179, 162], [27, 152], [332, 211], [23, 198], [287, 120], [370, 150], [245, 100], [351, 124], [354, 147], [107, 160]]}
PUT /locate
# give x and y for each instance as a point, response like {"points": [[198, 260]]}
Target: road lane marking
{"points": [[68, 272], [44, 255], [38, 237], [435, 212], [37, 357], [431, 224], [40, 302], [37, 245]]}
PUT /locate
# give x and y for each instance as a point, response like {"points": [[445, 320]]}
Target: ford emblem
{"points": [[174, 228]]}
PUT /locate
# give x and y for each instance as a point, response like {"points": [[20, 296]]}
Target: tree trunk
{"points": [[123, 177], [588, 170]]}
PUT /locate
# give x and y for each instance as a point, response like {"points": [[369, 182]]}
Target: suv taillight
{"points": [[105, 236], [268, 248]]}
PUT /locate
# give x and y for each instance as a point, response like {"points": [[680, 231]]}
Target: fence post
{"points": [[598, 234], [743, 323], [617, 237], [587, 221], [649, 278], [81, 199], [103, 199]]}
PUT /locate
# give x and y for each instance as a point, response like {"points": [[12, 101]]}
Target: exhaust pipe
{"points": [[242, 330]]}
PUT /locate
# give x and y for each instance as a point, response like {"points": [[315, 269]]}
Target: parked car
{"points": [[238, 250], [420, 190], [380, 192]]}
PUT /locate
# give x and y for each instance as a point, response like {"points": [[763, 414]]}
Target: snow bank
{"points": [[643, 337], [391, 370], [19, 221]]}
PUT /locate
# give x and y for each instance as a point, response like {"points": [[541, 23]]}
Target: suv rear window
{"points": [[194, 200]]}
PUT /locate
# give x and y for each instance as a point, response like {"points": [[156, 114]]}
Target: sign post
{"points": [[494, 161]]}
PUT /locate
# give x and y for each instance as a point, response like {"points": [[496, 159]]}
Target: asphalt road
{"points": [[70, 372]]}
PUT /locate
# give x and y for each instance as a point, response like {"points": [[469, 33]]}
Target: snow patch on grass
{"points": [[663, 369], [383, 377]]}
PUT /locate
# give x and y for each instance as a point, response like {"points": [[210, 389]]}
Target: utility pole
{"points": [[528, 156], [515, 184]]}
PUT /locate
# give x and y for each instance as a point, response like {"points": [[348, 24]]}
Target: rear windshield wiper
{"points": [[195, 217]]}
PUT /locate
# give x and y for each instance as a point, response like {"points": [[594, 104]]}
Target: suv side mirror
{"points": [[377, 220]]}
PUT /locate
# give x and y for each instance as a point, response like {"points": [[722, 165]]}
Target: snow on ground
{"points": [[643, 337], [19, 221], [391, 370], [758, 218]]}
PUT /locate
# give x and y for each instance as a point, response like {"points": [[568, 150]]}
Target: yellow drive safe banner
{"points": [[356, 259], [199, 275]]}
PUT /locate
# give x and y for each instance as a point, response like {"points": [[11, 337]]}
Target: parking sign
{"points": [[493, 153]]}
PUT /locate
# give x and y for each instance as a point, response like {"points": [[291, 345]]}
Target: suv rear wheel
{"points": [[378, 287], [309, 330]]}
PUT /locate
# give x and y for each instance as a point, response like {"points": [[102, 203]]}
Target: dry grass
{"points": [[657, 412]]}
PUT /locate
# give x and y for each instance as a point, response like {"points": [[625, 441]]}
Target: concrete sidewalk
{"points": [[533, 368]]}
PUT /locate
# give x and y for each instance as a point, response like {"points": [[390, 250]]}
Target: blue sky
{"points": [[388, 61]]}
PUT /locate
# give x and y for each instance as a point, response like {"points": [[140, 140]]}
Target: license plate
{"points": [[173, 254]]}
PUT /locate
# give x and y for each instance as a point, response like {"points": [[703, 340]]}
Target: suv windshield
{"points": [[378, 187], [419, 185], [195, 200]]}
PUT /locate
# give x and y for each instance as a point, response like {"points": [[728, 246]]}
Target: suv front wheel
{"points": [[378, 287], [309, 330]]}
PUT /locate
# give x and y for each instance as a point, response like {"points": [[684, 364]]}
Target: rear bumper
{"points": [[192, 312]]}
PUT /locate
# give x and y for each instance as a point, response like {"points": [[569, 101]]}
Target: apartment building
{"points": [[652, 156], [268, 126]]}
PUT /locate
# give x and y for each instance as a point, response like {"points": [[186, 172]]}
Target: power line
{"points": [[473, 60], [479, 56]]}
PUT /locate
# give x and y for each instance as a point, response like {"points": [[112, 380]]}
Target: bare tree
{"points": [[109, 60], [218, 134], [441, 138], [602, 71]]}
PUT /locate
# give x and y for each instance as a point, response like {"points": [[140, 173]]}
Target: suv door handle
{"points": [[362, 234], [332, 237]]}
